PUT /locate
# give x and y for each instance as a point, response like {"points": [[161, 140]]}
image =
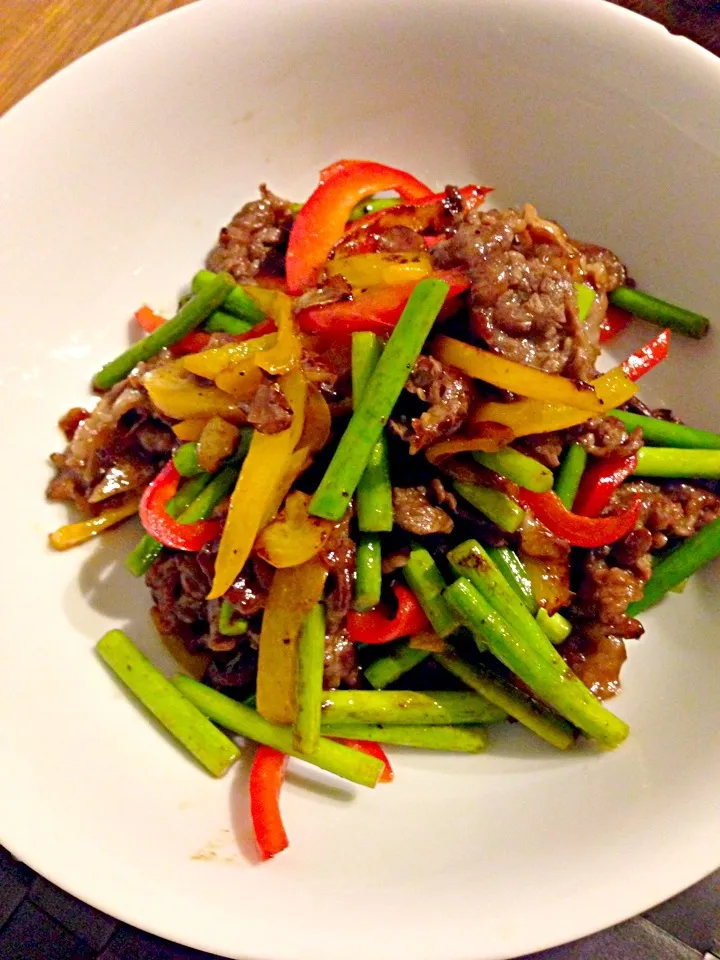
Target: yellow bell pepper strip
{"points": [[299, 462], [177, 394], [210, 363], [293, 594], [516, 377], [374, 269], [318, 421], [524, 417], [293, 537], [321, 220], [263, 469], [73, 534], [189, 430], [285, 354], [241, 380], [217, 442]]}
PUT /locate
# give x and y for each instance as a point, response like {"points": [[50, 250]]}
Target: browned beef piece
{"points": [[547, 558], [269, 410], [72, 420], [255, 239], [545, 447], [674, 510], [597, 658], [523, 302], [233, 672], [113, 450], [413, 511], [332, 290], [179, 585], [398, 239], [338, 555], [442, 496], [607, 437], [341, 666], [448, 393], [613, 577], [249, 591]]}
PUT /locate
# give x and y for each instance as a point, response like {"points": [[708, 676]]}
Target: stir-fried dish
{"points": [[390, 492]]}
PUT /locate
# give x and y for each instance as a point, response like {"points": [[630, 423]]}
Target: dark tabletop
{"points": [[40, 922]]}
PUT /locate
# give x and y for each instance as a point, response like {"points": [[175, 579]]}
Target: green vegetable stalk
{"points": [[678, 565], [570, 474], [496, 505], [515, 703], [389, 668], [189, 316], [408, 707], [660, 312], [373, 498], [533, 659], [368, 572], [310, 666], [373, 412], [238, 303], [427, 583], [463, 739], [241, 719], [663, 433], [518, 467], [185, 722]]}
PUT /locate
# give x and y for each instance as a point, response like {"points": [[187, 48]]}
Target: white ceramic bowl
{"points": [[114, 179]]}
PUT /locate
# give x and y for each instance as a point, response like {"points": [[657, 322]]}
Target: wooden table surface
{"points": [[38, 37]]}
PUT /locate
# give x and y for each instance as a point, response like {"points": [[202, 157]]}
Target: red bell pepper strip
{"points": [[194, 342], [376, 310], [374, 626], [647, 357], [579, 531], [599, 482], [266, 779], [158, 522], [259, 330], [360, 236], [320, 222], [614, 322], [372, 750]]}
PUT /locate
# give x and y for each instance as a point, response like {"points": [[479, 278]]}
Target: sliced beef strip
{"points": [[447, 392], [269, 410], [341, 666], [234, 672], [255, 239], [607, 437], [413, 511], [523, 303], [338, 554], [544, 447], [613, 577], [114, 449], [248, 593]]}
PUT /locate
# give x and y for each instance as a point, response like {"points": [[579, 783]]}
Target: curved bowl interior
{"points": [[115, 178]]}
